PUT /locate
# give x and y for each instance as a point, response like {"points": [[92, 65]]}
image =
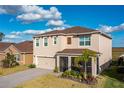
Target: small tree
{"points": [[1, 36], [86, 54], [9, 61]]}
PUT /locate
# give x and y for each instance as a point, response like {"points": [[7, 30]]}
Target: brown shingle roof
{"points": [[74, 51], [26, 46], [4, 45], [76, 29]]}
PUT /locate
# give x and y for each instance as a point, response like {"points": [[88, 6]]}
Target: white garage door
{"points": [[46, 63]]}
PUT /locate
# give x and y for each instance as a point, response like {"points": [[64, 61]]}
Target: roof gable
{"points": [[26, 46], [5, 45]]}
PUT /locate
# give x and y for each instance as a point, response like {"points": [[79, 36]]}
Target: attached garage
{"points": [[46, 63]]}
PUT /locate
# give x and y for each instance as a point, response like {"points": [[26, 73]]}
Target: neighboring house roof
{"points": [[118, 49], [72, 31], [26, 46], [4, 45], [74, 51]]}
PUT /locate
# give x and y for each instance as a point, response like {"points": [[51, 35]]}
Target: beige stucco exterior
{"points": [[25, 58], [99, 43]]}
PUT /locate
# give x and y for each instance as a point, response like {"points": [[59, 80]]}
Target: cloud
{"points": [[109, 29], [12, 36], [17, 36], [2, 11], [32, 13], [55, 23], [35, 13], [11, 20], [34, 32], [11, 9], [7, 40], [29, 17]]}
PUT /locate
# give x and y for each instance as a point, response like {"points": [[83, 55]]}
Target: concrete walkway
{"points": [[13, 80]]}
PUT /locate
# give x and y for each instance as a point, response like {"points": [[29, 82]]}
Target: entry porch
{"points": [[66, 61]]}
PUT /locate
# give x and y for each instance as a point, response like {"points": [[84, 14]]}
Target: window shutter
{"points": [[68, 40]]}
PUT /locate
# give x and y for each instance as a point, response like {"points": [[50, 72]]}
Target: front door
{"points": [[63, 64]]}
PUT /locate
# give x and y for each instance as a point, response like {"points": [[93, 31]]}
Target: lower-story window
{"points": [[17, 56]]}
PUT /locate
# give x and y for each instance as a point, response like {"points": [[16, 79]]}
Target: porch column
{"points": [[94, 67], [36, 63], [57, 60], [69, 62]]}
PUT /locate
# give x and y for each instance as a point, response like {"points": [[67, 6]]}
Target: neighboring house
{"points": [[59, 47], [23, 51], [117, 52]]}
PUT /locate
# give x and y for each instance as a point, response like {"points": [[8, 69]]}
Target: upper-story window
{"points": [[85, 41], [37, 42], [45, 41], [54, 40], [68, 40]]}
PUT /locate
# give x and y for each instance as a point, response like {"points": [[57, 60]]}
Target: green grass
{"points": [[113, 83], [113, 78], [6, 71]]}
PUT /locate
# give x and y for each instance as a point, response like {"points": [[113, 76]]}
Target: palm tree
{"points": [[86, 55], [1, 36]]}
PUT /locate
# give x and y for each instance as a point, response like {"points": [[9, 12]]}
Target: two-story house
{"points": [[60, 47]]}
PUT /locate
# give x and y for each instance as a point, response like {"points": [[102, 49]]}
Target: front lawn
{"points": [[113, 83], [6, 71], [108, 79], [52, 81]]}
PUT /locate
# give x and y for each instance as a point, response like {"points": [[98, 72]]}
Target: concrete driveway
{"points": [[13, 80]]}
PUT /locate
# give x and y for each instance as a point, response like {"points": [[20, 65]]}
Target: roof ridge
{"points": [[75, 29]]}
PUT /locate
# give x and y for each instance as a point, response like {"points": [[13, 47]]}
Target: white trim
{"points": [[47, 41], [38, 38], [59, 34], [85, 41], [53, 40], [66, 34]]}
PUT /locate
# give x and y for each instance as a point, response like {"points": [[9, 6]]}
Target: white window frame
{"points": [[85, 40], [54, 40], [44, 41], [37, 42]]}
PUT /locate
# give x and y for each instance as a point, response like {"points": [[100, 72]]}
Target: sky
{"points": [[20, 23]]}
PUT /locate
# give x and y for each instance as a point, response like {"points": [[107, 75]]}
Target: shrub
{"points": [[32, 66], [89, 75], [71, 74], [82, 74], [66, 73], [79, 77], [56, 70], [120, 70], [9, 61]]}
